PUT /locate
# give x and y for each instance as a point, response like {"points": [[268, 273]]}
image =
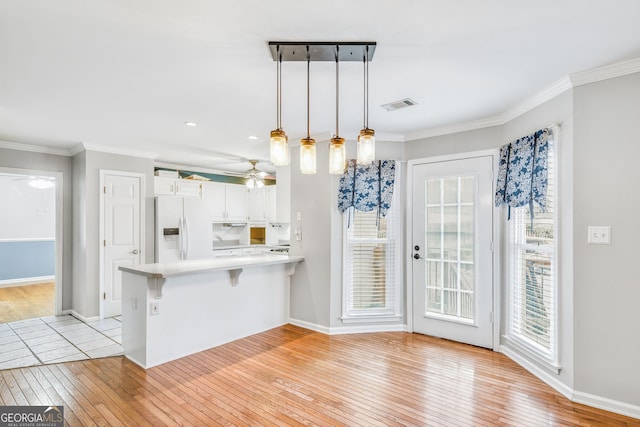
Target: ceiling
{"points": [[127, 74]]}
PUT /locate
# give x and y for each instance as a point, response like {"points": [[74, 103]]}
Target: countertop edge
{"points": [[166, 270]]}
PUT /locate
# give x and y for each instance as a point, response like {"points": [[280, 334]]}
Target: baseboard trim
{"points": [[308, 325], [79, 316], [342, 330], [366, 329], [599, 402], [607, 404], [26, 281], [542, 374]]}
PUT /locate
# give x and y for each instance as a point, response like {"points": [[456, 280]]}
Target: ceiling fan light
{"points": [[250, 183], [337, 156], [308, 156], [366, 151], [279, 148]]}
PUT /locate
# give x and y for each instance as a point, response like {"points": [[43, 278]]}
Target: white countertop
{"points": [[168, 269]]}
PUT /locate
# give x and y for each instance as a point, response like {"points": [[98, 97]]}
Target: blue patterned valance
{"points": [[522, 171], [367, 187]]}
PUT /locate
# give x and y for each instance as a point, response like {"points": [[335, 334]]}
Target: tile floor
{"points": [[58, 339]]}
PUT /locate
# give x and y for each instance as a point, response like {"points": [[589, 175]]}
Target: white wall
{"points": [[86, 203], [28, 212], [607, 287], [316, 288]]}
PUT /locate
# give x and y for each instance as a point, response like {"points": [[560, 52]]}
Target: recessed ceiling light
{"points": [[190, 123], [253, 137]]}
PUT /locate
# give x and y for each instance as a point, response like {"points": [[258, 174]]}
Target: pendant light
{"points": [[308, 144], [366, 140], [278, 145], [337, 150]]}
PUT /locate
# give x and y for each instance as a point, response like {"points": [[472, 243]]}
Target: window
{"points": [[532, 275], [370, 288]]}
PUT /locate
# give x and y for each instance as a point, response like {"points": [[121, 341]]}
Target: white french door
{"points": [[452, 249]]}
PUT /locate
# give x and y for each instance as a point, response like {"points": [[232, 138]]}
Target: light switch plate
{"points": [[599, 235]]}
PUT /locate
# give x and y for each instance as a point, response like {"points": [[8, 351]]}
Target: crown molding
{"points": [[536, 100], [34, 148], [605, 72], [111, 150], [568, 82], [456, 128]]}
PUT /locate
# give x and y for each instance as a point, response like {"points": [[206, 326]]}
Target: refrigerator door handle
{"points": [[180, 238], [186, 238]]}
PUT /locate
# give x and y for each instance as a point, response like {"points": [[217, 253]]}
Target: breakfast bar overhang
{"points": [[172, 310]]}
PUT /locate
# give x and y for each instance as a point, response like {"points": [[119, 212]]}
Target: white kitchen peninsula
{"points": [[172, 310]]}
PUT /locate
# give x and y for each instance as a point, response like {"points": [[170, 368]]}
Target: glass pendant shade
{"points": [[279, 148], [307, 155], [337, 156], [366, 147]]}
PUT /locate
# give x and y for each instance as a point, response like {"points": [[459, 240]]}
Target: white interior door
{"points": [[453, 250], [122, 217]]}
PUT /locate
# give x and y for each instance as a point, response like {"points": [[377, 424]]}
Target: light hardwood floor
{"points": [[26, 302], [292, 376]]}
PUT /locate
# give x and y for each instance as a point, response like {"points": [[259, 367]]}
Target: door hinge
{"points": [[491, 246], [104, 189], [104, 295], [491, 317], [104, 243]]}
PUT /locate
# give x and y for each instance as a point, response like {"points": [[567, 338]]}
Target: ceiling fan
{"points": [[254, 177]]}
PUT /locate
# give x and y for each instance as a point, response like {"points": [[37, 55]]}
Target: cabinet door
{"points": [[270, 204], [257, 211], [188, 188], [237, 202], [164, 186], [213, 195]]}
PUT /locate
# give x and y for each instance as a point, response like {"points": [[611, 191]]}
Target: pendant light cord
{"points": [[366, 92], [279, 86], [337, 88], [308, 90]]}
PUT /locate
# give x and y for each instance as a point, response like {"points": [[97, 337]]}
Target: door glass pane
{"points": [[450, 232], [450, 190], [433, 191], [450, 235], [434, 232]]}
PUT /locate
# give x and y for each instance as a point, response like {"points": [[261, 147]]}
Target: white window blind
{"points": [[370, 264], [533, 287]]}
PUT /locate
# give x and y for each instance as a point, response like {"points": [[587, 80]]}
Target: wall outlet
{"points": [[599, 235], [154, 308]]}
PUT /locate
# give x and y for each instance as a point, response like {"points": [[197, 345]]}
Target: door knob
{"points": [[416, 247], [416, 256], [135, 252]]}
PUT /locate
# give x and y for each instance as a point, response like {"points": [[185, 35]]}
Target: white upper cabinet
{"points": [[271, 205], [177, 187], [226, 202], [236, 202], [262, 204], [257, 202], [213, 194]]}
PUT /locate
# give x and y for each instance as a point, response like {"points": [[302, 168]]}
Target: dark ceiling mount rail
{"points": [[323, 51]]}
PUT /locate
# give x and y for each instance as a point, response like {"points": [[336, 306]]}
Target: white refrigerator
{"points": [[183, 229]]}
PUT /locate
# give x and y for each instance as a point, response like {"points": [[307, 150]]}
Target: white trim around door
{"points": [[496, 235]]}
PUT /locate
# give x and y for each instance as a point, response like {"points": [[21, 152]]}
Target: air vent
{"points": [[396, 105]]}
